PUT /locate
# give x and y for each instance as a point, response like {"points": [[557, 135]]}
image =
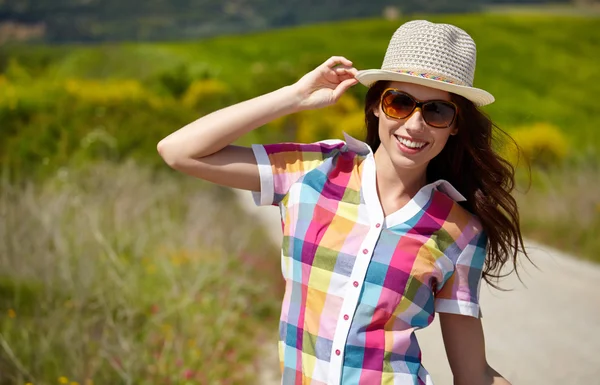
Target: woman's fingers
{"points": [[343, 87], [335, 60], [345, 70]]}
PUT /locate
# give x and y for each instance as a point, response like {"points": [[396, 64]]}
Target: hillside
{"points": [[540, 68]]}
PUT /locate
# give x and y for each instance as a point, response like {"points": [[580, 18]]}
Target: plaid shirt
{"points": [[358, 283]]}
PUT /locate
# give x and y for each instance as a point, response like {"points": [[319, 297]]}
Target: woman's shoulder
{"points": [[458, 220]]}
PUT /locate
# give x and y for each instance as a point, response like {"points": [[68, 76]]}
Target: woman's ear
{"points": [[454, 131], [376, 111]]}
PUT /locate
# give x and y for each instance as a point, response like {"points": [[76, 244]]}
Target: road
{"points": [[544, 331]]}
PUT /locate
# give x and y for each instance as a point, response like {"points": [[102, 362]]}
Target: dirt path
{"points": [[544, 331]]}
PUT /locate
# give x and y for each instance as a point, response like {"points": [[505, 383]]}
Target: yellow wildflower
{"points": [[63, 380], [11, 313], [74, 383]]}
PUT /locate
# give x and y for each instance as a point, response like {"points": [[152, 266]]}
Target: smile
{"points": [[412, 144]]}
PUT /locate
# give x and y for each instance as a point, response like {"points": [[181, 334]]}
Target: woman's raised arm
{"points": [[203, 148]]}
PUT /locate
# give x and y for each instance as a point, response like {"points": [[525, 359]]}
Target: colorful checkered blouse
{"points": [[358, 283]]}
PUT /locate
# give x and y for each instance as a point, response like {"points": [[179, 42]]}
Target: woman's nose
{"points": [[415, 121]]}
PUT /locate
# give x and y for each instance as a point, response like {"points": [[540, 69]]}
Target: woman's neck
{"points": [[396, 185]]}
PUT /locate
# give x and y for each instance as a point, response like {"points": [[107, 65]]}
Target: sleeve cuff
{"points": [[266, 195], [457, 307]]}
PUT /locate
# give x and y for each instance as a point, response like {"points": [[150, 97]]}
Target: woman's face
{"points": [[411, 143]]}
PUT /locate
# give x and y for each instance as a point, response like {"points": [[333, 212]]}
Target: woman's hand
{"points": [[325, 84], [203, 148]]}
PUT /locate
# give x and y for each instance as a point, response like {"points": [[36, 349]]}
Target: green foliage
{"points": [[206, 95], [536, 71], [331, 122], [175, 81], [47, 125], [15, 72], [114, 274], [178, 79], [541, 145]]}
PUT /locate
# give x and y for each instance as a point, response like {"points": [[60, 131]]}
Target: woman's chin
{"points": [[401, 161]]}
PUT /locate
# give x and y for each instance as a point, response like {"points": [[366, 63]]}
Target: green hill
{"points": [[540, 68]]}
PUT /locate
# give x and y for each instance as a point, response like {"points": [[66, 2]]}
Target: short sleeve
{"points": [[459, 293], [281, 165]]}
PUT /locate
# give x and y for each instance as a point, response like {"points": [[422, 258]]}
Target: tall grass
{"points": [[562, 208], [112, 274]]}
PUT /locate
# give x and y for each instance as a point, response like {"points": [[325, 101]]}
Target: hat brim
{"points": [[478, 96]]}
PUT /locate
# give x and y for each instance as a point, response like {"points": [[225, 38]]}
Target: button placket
{"points": [[351, 302]]}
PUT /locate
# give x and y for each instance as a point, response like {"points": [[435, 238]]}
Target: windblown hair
{"points": [[469, 162]]}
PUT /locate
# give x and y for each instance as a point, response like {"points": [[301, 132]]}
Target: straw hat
{"points": [[435, 55]]}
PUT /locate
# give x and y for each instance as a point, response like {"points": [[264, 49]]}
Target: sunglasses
{"points": [[397, 104]]}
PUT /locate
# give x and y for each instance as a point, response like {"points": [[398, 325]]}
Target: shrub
{"points": [[206, 95], [541, 145], [16, 72], [108, 92], [47, 125], [331, 122], [175, 81]]}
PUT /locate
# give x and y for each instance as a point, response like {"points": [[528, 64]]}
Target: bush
{"points": [[331, 122], [175, 81], [16, 72], [541, 145], [108, 92], [206, 95], [47, 125]]}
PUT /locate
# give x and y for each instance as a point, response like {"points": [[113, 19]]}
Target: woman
{"points": [[378, 236]]}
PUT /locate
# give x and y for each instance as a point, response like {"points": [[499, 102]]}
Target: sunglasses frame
{"points": [[418, 104]]}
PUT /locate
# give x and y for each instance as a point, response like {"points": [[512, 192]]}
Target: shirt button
{"points": [[346, 317], [355, 283], [378, 225], [365, 251], [337, 352]]}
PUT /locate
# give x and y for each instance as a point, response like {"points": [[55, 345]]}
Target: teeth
{"points": [[409, 143]]}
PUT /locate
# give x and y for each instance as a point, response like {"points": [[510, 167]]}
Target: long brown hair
{"points": [[469, 162]]}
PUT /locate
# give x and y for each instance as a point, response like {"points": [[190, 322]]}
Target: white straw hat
{"points": [[435, 55]]}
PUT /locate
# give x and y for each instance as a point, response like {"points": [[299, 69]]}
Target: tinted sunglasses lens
{"points": [[397, 105], [439, 114]]}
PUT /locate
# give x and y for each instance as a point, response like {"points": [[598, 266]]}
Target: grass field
{"points": [[116, 274]]}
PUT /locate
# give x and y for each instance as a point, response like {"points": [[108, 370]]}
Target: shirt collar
{"points": [[356, 145]]}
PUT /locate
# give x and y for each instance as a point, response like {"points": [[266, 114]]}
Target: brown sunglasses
{"points": [[398, 104]]}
